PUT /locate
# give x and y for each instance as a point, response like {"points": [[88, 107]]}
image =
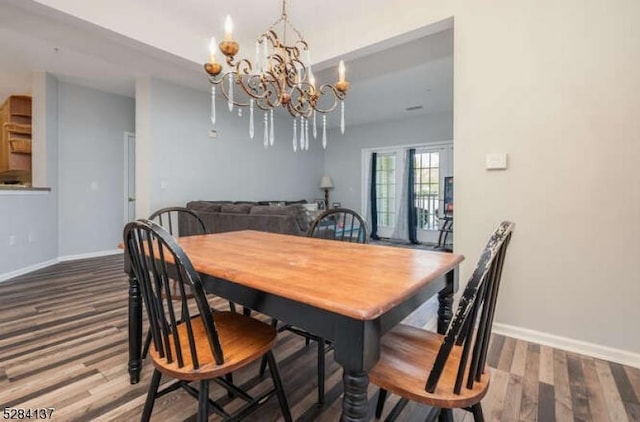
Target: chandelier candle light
{"points": [[278, 77]]}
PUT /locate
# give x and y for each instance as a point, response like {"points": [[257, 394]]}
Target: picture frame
{"points": [[320, 204]]}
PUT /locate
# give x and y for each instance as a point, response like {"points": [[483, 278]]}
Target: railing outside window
{"points": [[427, 189]]}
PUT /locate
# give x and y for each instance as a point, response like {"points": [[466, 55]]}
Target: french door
{"points": [[431, 164]]}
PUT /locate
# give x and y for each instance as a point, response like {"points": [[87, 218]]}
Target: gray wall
{"points": [[184, 164], [31, 219], [344, 152], [91, 174]]}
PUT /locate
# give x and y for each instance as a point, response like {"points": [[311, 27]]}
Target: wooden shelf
{"points": [[15, 139], [20, 146]]}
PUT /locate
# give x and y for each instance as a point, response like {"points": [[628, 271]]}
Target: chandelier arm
{"points": [[301, 101], [264, 107], [272, 37], [252, 84], [263, 102], [243, 66], [230, 74], [292, 73], [327, 89], [271, 82], [230, 61], [303, 45]]}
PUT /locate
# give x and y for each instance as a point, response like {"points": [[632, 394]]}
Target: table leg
{"points": [[355, 406], [356, 349], [135, 329], [445, 299]]}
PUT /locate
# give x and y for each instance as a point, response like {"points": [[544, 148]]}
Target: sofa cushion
{"points": [[236, 208], [269, 210], [228, 222], [206, 206], [297, 212]]}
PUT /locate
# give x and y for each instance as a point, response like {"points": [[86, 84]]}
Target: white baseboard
{"points": [[34, 267], [25, 270], [572, 345], [90, 255]]}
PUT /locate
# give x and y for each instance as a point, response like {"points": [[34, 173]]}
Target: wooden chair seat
{"points": [[242, 338], [404, 354]]}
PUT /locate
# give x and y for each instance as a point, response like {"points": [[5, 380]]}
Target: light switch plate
{"points": [[496, 161]]}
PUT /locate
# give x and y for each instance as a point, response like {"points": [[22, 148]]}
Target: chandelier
{"points": [[280, 76]]}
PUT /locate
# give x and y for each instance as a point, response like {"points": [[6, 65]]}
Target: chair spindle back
{"points": [[478, 300], [179, 221], [157, 260], [340, 224]]}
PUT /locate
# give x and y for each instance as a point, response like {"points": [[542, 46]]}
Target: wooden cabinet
{"points": [[15, 139]]}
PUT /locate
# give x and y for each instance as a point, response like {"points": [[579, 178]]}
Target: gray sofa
{"points": [[269, 216]]}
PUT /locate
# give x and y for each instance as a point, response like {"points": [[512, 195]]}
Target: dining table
{"points": [[348, 293]]}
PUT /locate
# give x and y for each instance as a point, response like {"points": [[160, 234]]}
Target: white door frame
{"points": [[128, 137]]}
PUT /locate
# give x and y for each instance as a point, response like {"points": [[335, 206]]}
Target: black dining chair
{"points": [[178, 221], [341, 224], [191, 341], [446, 371]]}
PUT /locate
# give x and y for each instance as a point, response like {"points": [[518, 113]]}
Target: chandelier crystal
{"points": [[280, 76]]}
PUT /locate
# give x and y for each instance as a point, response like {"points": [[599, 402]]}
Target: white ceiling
{"points": [[386, 77]]}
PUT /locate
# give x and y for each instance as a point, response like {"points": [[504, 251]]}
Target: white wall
{"points": [[554, 85], [343, 153], [91, 168], [182, 163]]}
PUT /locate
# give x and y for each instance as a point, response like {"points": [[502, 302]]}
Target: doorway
{"points": [[432, 163], [129, 176]]}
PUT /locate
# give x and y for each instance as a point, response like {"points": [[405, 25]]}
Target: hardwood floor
{"points": [[63, 344]]}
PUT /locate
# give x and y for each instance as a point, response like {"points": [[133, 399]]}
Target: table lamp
{"points": [[326, 183]]}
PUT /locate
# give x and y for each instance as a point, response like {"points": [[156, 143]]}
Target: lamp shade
{"points": [[326, 183]]}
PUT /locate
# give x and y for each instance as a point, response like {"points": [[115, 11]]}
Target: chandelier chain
{"points": [[284, 18]]}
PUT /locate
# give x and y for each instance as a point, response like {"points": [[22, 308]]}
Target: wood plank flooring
{"points": [[63, 344]]}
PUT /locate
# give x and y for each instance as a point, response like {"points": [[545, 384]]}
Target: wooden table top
{"points": [[351, 279]]}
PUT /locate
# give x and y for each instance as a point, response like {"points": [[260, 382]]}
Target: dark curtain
{"points": [[373, 198], [412, 220]]}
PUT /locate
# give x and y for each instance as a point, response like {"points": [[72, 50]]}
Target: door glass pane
{"points": [[386, 188], [427, 189]]}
